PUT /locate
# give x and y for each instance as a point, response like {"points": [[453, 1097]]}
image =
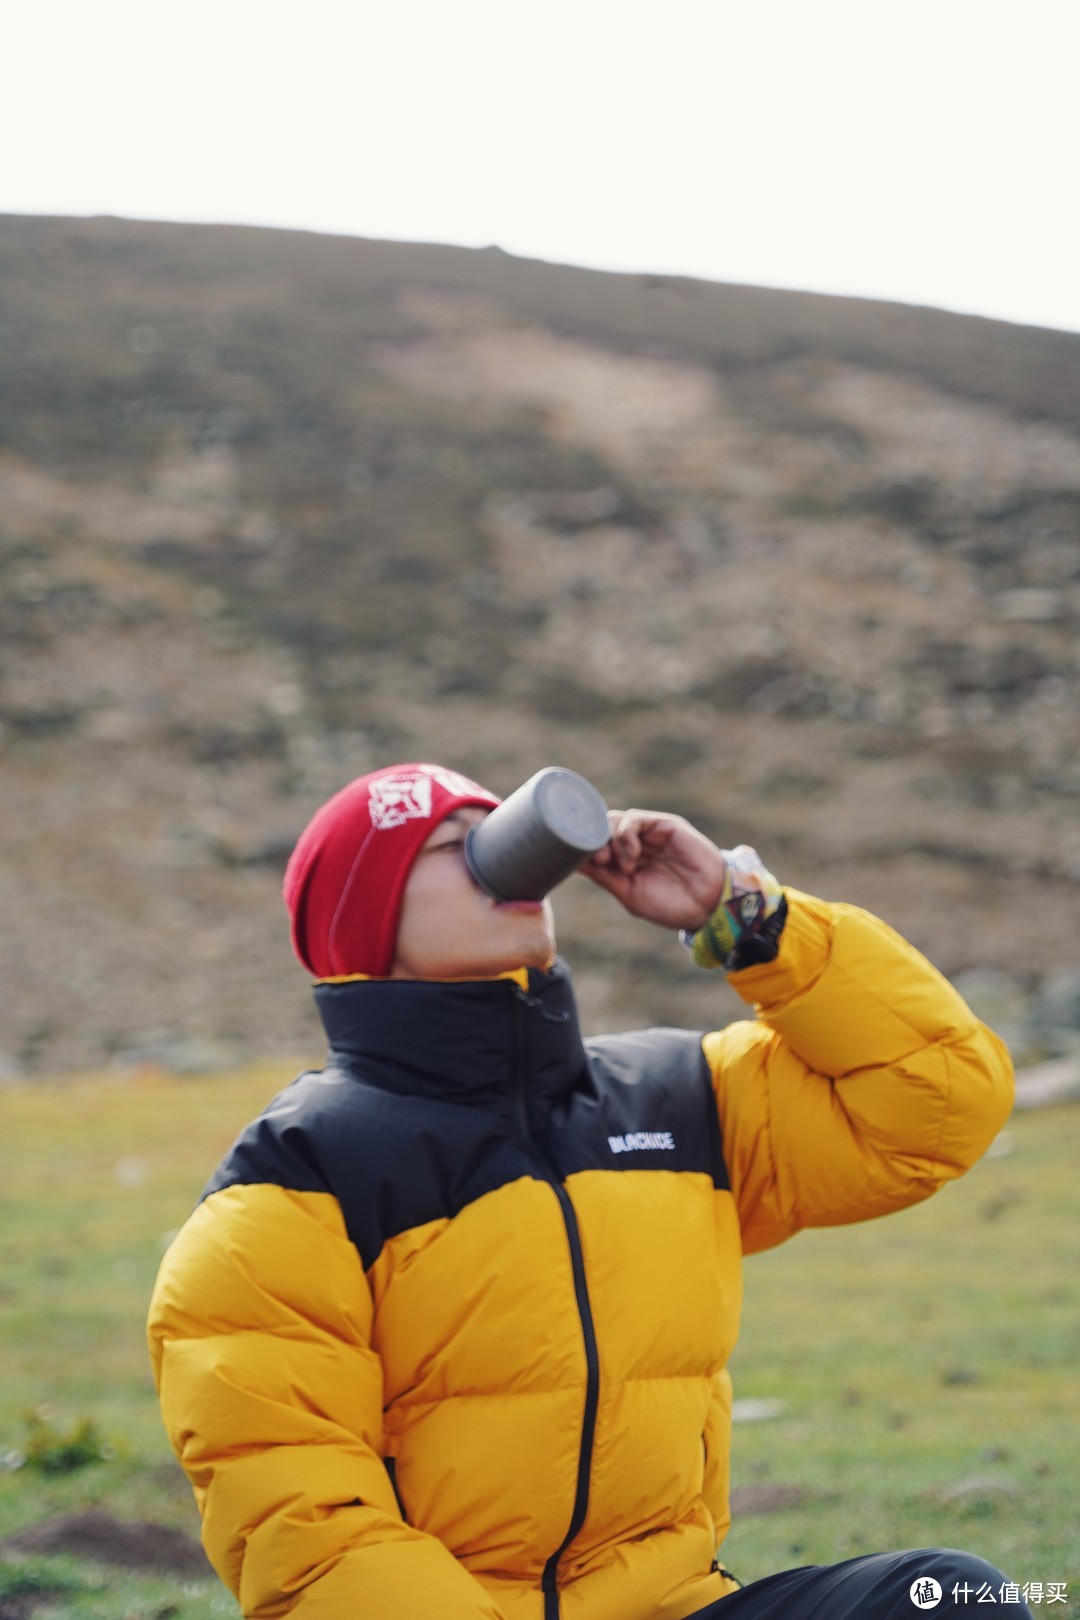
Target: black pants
{"points": [[880, 1586]]}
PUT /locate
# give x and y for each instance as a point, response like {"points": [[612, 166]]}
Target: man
{"points": [[447, 1335]]}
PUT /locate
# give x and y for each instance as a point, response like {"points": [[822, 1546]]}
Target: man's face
{"points": [[450, 929]]}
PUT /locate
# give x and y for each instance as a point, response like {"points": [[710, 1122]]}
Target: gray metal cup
{"points": [[538, 836]]}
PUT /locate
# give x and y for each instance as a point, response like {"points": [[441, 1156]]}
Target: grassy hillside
{"points": [[276, 508], [926, 1364]]}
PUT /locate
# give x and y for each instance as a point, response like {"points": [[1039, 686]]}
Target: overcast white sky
{"points": [[925, 151]]}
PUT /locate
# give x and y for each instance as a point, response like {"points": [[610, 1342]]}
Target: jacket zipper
{"points": [[549, 1579], [390, 1464]]}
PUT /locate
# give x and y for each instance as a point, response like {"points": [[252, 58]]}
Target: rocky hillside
{"points": [[276, 508]]}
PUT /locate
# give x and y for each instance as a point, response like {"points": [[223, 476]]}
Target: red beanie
{"points": [[346, 877]]}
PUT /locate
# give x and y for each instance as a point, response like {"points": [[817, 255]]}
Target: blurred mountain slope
{"points": [[275, 508]]}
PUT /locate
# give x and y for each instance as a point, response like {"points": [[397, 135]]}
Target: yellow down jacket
{"points": [[446, 1337]]}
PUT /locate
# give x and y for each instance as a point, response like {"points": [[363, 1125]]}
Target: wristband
{"points": [[745, 928]]}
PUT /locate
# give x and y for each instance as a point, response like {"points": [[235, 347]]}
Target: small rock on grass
{"points": [[959, 1375], [756, 1411]]}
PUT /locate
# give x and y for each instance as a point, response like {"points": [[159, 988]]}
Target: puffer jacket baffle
{"points": [[446, 1337]]}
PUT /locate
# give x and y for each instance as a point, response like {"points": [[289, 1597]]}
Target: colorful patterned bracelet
{"points": [[745, 928]]}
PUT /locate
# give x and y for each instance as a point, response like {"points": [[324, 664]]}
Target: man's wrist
{"points": [[745, 927]]}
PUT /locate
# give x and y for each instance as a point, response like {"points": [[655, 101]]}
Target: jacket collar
{"points": [[461, 1041]]}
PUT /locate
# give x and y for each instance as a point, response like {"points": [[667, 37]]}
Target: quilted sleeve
{"points": [[864, 1083], [272, 1398]]}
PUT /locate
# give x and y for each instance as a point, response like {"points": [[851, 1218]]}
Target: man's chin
{"points": [[540, 952], [528, 940]]}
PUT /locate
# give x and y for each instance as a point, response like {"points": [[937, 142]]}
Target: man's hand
{"points": [[659, 867]]}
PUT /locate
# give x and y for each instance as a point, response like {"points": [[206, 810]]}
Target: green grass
{"points": [[928, 1363], [98, 1174], [66, 1588], [929, 1366]]}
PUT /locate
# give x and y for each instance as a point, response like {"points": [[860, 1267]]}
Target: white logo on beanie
{"points": [[394, 800], [454, 782]]}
